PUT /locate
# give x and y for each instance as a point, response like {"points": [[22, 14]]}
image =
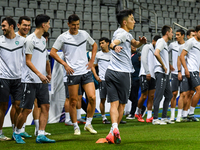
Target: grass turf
{"points": [[135, 135]]}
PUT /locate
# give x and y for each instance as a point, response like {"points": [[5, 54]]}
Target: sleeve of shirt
{"points": [[160, 45], [89, 39], [47, 56], [58, 43], [29, 47], [144, 58], [188, 45], [121, 37]]}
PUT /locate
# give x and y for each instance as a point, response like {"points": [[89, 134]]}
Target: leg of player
{"points": [[68, 122], [190, 95], [36, 116], [73, 98], [180, 106], [150, 105], [12, 115], [102, 109], [3, 108], [173, 105], [90, 92], [78, 109]]}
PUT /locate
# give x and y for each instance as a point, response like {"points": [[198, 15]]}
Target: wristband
{"points": [[114, 47], [179, 70]]}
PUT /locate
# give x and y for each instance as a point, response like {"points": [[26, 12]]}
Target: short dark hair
{"points": [[46, 34], [23, 18], [189, 32], [105, 39], [41, 18], [10, 21], [197, 28], [73, 17], [123, 14], [156, 37], [165, 29], [181, 31]]}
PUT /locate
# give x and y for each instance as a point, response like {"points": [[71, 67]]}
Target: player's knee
{"points": [[144, 97], [92, 99], [73, 101], [26, 111]]}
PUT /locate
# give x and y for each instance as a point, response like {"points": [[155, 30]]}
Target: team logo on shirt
{"points": [[43, 42], [17, 42]]}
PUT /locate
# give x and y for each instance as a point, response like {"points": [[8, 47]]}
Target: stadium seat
{"points": [[164, 7], [70, 7], [95, 9], [182, 9], [87, 8], [195, 10], [1, 32], [60, 14], [185, 16], [186, 4], [44, 5], [187, 23], [19, 12], [197, 17], [194, 23], [142, 1], [188, 10], [80, 2], [181, 22], [96, 25], [53, 6], [177, 9], [179, 15], [33, 4], [105, 34], [79, 14], [137, 34], [132, 33], [112, 18], [192, 4], [96, 2], [62, 6], [96, 34], [57, 23], [39, 11], [4, 2], [88, 2], [145, 13], [159, 13], [13, 3], [50, 13], [23, 3], [79, 7], [191, 16], [104, 17], [113, 26], [65, 25], [105, 26], [180, 3], [137, 28], [51, 42], [95, 17], [168, 3], [68, 13], [160, 22], [145, 28], [87, 16], [156, 1], [170, 8], [151, 6], [69, 1], [167, 21], [130, 6], [55, 32], [148, 36], [144, 5], [174, 20], [87, 25], [165, 14], [8, 11], [158, 7], [111, 34], [32, 29], [104, 9], [171, 14], [162, 2], [150, 1], [111, 10], [54, 0], [1, 11]]}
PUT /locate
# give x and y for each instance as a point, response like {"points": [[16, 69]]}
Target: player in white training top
{"points": [[147, 80], [191, 65], [11, 53], [24, 26], [118, 77], [175, 83], [73, 44], [102, 60], [35, 77]]}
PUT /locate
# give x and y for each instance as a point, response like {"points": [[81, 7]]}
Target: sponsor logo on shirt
{"points": [[17, 42], [43, 42]]}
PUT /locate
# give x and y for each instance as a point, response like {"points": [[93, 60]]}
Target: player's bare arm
{"points": [[158, 57], [94, 51], [183, 62]]}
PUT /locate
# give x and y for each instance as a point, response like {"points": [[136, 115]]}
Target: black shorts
{"points": [[147, 85], [103, 89], [184, 85], [80, 79], [11, 87], [67, 91], [194, 80], [175, 83], [118, 86], [32, 91]]}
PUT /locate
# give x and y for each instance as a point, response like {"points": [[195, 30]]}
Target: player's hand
{"points": [[118, 49], [143, 40], [44, 79], [180, 76], [98, 79], [165, 69], [172, 68], [49, 77], [148, 77], [187, 73], [90, 64], [69, 69]]}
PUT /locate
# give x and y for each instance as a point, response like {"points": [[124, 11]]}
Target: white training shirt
{"points": [[74, 50], [162, 46], [36, 47], [193, 60], [122, 61], [147, 60], [179, 54], [11, 54], [103, 61], [174, 48]]}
